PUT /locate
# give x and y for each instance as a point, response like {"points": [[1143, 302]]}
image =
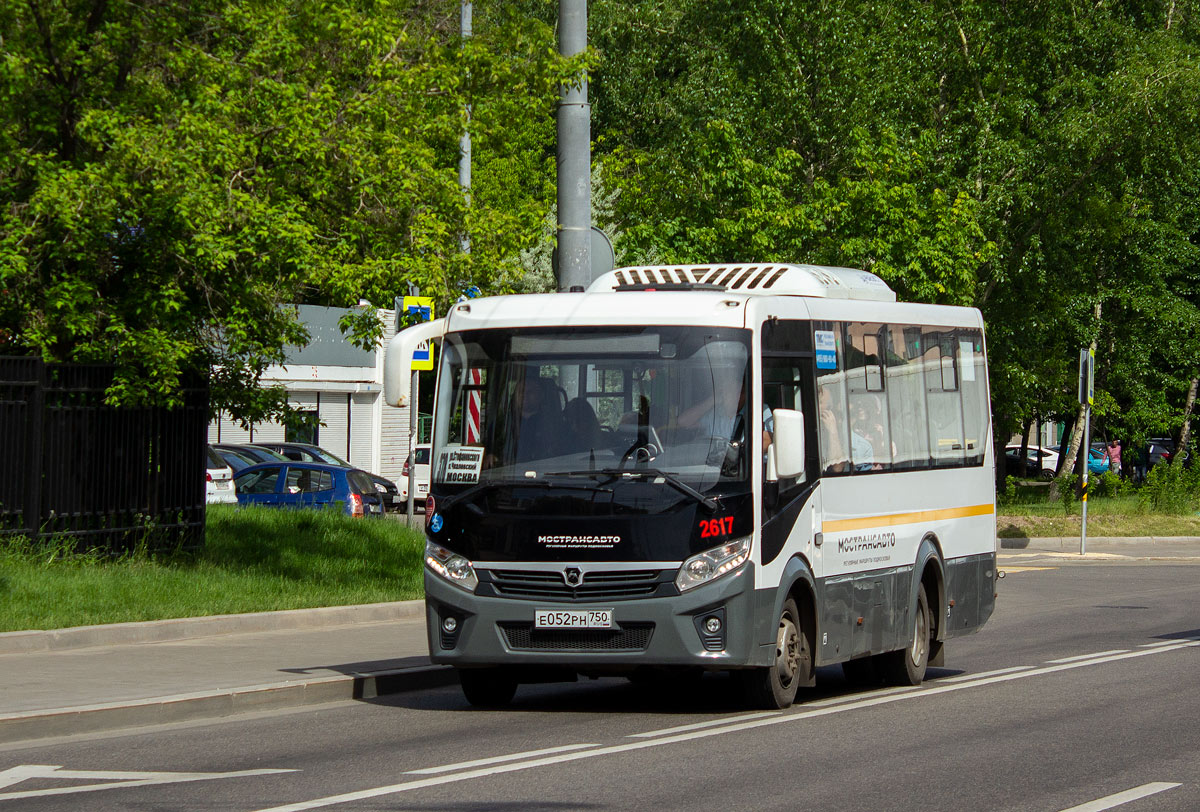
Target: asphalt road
{"points": [[1080, 694]]}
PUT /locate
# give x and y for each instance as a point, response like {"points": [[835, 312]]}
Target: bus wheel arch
{"points": [[803, 595], [774, 687], [930, 571]]}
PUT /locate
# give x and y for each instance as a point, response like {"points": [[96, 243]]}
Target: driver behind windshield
{"points": [[721, 414]]}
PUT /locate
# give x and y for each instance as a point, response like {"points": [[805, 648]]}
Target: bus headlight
{"points": [[451, 566], [712, 564]]}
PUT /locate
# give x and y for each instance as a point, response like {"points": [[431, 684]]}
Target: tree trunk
{"points": [[1024, 466], [1185, 433], [1077, 435]]}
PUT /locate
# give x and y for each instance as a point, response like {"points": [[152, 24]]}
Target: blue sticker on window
{"points": [[826, 349], [435, 523]]}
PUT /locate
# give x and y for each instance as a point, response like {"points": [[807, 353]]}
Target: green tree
{"points": [[1034, 160], [172, 174]]}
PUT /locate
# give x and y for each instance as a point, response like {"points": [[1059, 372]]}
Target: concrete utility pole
{"points": [[464, 140], [573, 265]]}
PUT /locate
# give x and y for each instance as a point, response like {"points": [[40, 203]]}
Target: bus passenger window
{"points": [[906, 410], [945, 402], [871, 448]]}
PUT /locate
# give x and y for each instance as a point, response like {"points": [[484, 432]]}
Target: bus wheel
{"points": [[775, 686], [907, 666], [487, 687]]}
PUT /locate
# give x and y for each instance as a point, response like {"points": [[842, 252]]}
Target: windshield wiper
{"points": [[675, 482]]}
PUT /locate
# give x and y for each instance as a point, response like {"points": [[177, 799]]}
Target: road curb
{"points": [[56, 722], [158, 631], [1072, 542]]}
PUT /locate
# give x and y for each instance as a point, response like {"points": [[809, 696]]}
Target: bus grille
{"points": [[596, 585], [628, 637]]}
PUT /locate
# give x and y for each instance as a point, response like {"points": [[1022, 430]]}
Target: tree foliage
{"points": [[1030, 159], [172, 173]]}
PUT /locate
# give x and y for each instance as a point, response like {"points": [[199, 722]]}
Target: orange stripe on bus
{"points": [[908, 518]]}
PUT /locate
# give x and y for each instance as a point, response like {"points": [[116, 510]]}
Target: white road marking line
{"points": [[801, 714], [981, 675], [1087, 656], [701, 725], [116, 780], [466, 765], [1109, 801], [816, 703], [15, 775]]}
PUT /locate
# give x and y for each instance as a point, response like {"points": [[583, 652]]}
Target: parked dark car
{"points": [[288, 484], [257, 453], [1159, 450], [306, 452], [236, 460]]}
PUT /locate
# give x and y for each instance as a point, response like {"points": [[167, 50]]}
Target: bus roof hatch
{"points": [[763, 279]]}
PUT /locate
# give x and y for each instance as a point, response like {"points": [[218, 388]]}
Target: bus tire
{"points": [[907, 666], [487, 687], [774, 687]]}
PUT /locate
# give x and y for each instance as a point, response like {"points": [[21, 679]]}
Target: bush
{"points": [[1009, 495], [1066, 490], [1172, 489], [1106, 484]]}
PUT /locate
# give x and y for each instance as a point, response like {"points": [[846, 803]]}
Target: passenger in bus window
{"points": [[539, 420], [833, 449], [862, 450]]}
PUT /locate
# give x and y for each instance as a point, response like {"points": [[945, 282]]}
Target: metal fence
{"points": [[109, 478]]}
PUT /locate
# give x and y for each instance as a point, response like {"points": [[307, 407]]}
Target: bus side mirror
{"points": [[788, 443], [398, 357]]}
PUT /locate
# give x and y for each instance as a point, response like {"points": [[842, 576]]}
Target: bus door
{"points": [[788, 505]]}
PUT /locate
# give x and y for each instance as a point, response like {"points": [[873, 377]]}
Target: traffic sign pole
{"points": [[1087, 389], [419, 309]]}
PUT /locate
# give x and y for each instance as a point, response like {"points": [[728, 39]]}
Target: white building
{"points": [[342, 387]]}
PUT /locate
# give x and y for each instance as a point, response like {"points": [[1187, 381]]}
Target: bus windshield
{"points": [[589, 404]]}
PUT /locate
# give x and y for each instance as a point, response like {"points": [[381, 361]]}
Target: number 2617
{"points": [[716, 527]]}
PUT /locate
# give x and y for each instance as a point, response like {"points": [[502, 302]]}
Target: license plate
{"points": [[422, 488], [572, 618], [397, 499]]}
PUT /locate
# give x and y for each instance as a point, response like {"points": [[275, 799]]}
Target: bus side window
{"points": [[871, 447], [906, 398], [945, 400], [974, 394], [833, 419]]}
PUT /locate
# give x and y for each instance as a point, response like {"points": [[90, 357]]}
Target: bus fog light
{"points": [[450, 625], [712, 625]]}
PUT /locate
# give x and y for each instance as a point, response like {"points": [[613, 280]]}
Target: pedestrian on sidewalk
{"points": [[1113, 455]]}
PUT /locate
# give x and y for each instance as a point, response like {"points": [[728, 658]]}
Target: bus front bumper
{"points": [[661, 631]]}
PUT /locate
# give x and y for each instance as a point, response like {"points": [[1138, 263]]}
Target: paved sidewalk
{"points": [[86, 684], [100, 678], [1181, 549]]}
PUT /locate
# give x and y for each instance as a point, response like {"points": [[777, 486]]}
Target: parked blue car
{"points": [[287, 484], [1096, 462]]}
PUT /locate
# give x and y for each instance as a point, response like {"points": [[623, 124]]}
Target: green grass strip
{"points": [[254, 560]]}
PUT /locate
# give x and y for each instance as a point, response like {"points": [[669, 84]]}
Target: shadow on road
{"points": [[708, 693]]}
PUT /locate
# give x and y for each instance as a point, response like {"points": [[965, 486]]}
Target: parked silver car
{"points": [[218, 480]]}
